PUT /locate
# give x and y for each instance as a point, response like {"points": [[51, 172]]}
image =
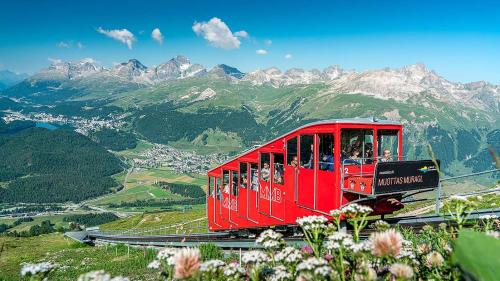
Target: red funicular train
{"points": [[315, 169]]}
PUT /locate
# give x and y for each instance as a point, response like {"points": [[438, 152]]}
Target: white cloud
{"points": [[217, 33], [157, 36], [63, 44], [80, 45], [288, 56], [261, 52], [268, 42], [122, 35], [241, 34]]}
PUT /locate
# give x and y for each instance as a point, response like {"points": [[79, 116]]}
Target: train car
{"points": [[314, 169]]}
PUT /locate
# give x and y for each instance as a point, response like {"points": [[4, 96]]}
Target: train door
{"points": [[225, 200], [325, 177], [253, 193], [305, 184], [211, 200], [218, 218], [265, 184], [278, 186], [233, 202], [243, 191], [291, 170]]}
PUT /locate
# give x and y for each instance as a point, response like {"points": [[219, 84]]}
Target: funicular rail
{"points": [[226, 240]]}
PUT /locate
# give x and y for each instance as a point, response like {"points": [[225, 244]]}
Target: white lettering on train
{"points": [[400, 180]]}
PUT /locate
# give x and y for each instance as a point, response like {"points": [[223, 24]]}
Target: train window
{"points": [[325, 152], [217, 188], [225, 182], [291, 152], [211, 186], [264, 167], [243, 175], [234, 183], [254, 172], [357, 146], [306, 151], [387, 143], [279, 168]]}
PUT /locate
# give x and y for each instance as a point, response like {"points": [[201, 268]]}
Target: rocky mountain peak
{"points": [[226, 70]]}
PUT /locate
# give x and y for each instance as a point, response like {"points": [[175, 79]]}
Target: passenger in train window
{"points": [[264, 172], [369, 153], [294, 162], [278, 173], [327, 162], [386, 156], [255, 180], [310, 163], [354, 158], [356, 145], [243, 181]]}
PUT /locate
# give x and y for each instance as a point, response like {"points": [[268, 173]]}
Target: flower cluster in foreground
{"points": [[388, 253]]}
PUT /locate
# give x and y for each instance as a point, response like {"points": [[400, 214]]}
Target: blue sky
{"points": [[458, 39]]}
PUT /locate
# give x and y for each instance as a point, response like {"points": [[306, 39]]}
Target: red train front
{"points": [[313, 170]]}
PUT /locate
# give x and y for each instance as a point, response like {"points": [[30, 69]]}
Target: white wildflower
{"points": [[288, 255], [167, 255], [100, 275], [312, 222], [323, 271], [355, 209], [254, 257], [154, 264], [280, 273], [30, 269], [211, 266], [233, 269], [311, 264], [337, 240]]}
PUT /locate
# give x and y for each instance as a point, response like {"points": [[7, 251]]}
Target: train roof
{"points": [[357, 120]]}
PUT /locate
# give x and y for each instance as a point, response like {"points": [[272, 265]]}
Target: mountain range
{"points": [[185, 104], [9, 78]]}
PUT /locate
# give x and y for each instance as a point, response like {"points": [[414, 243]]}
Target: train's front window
{"points": [[306, 151], [387, 142], [356, 146]]}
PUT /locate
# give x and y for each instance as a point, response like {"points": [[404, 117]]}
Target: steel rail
{"points": [[225, 240]]}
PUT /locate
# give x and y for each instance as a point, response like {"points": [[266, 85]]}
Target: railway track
{"points": [[227, 240]]}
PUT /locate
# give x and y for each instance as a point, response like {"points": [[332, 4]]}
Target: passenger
{"points": [[226, 188], [354, 158], [310, 163], [255, 180], [278, 173], [327, 163], [369, 153], [244, 181], [264, 172], [386, 156], [294, 162], [356, 146]]}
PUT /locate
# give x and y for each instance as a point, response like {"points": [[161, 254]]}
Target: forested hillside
{"points": [[43, 166]]}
